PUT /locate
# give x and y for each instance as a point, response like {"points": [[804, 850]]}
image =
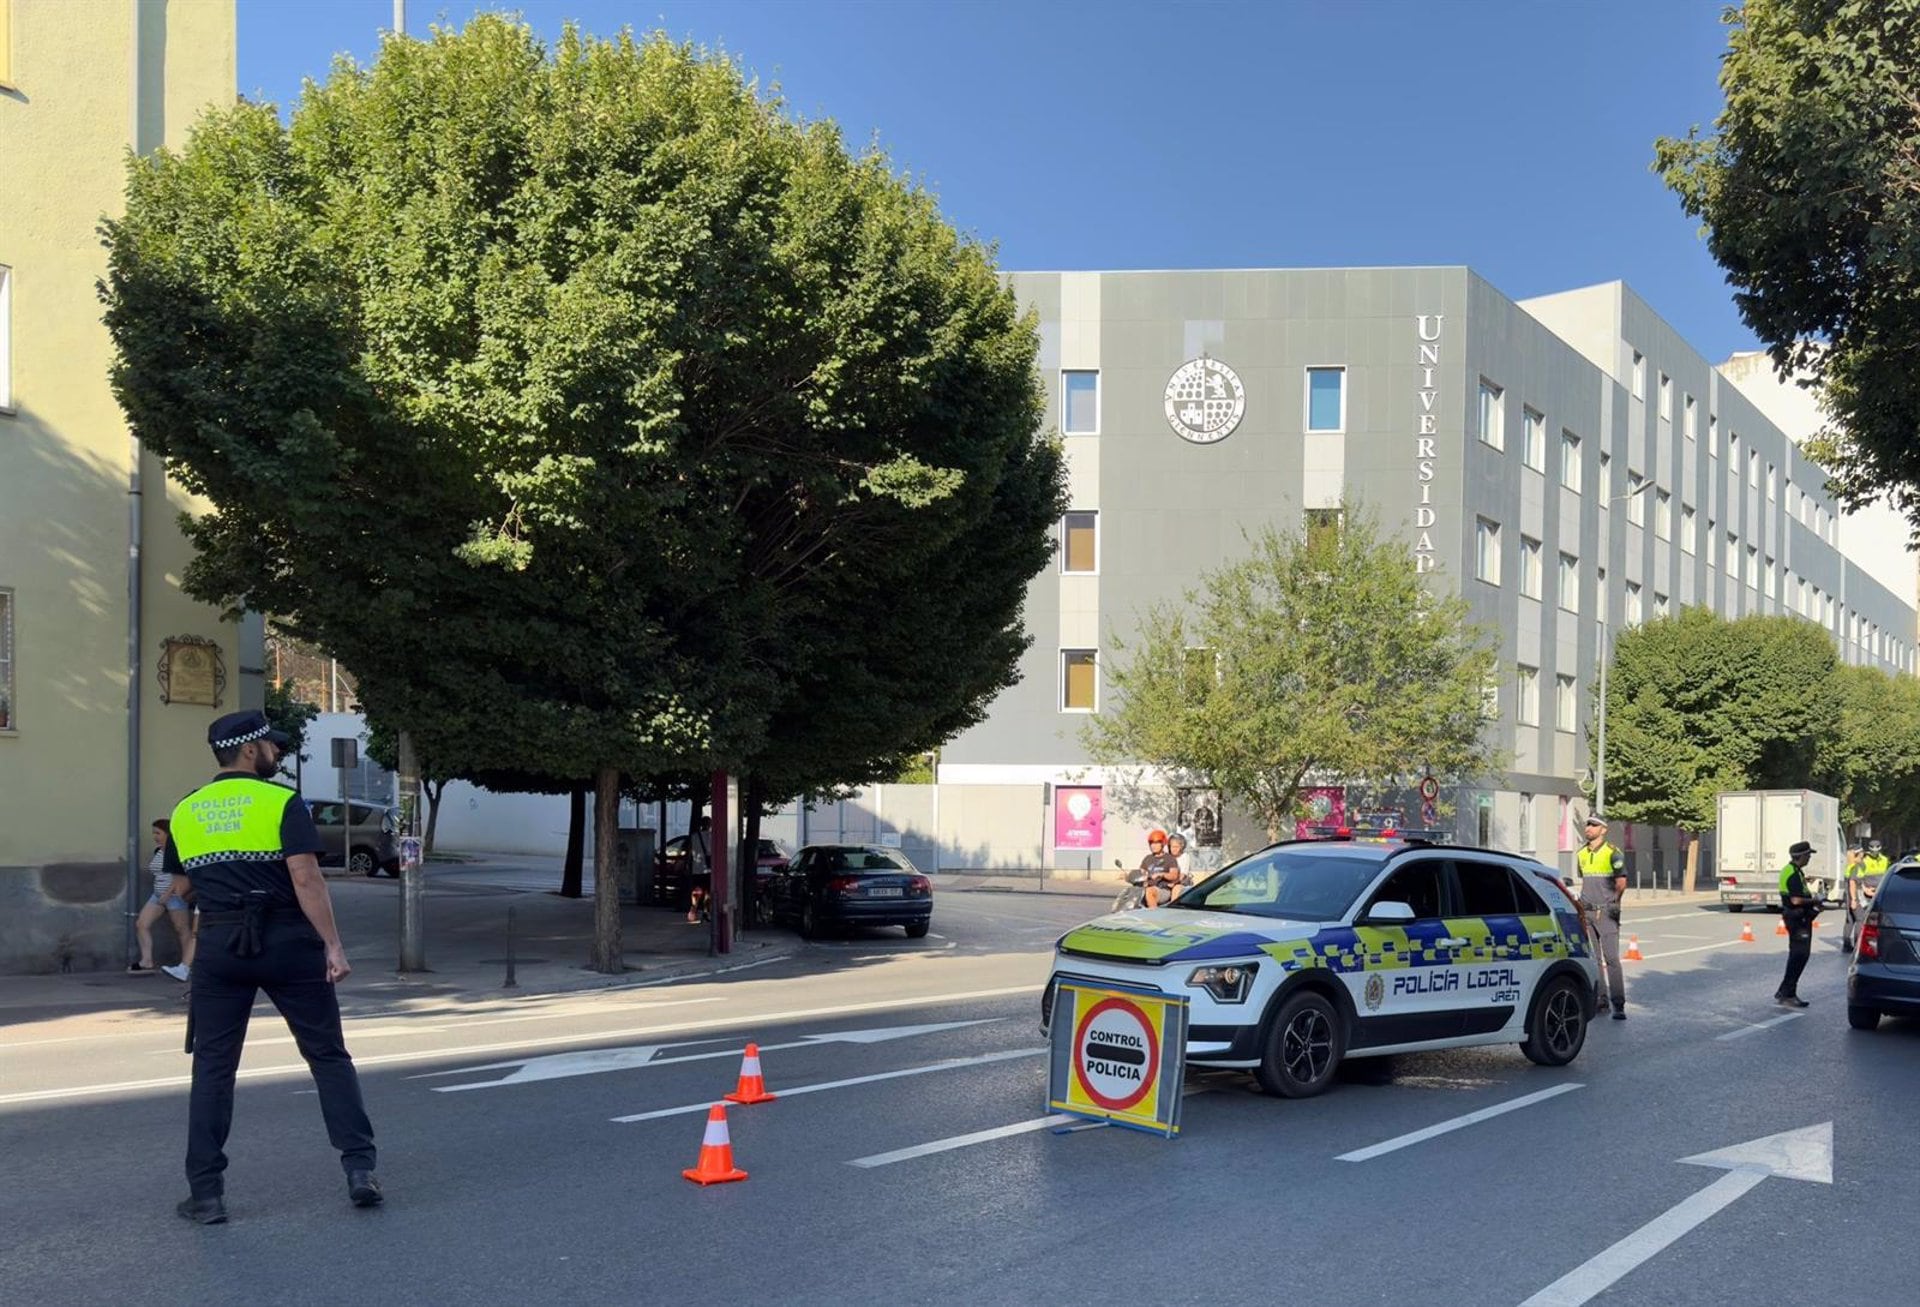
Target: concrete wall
{"points": [[89, 82]]}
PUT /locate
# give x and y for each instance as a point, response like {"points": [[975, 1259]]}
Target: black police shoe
{"points": [[203, 1211], [363, 1189], [1790, 1000], [1620, 1014]]}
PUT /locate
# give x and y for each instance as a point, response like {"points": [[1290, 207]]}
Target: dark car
{"points": [[375, 852], [670, 872], [1885, 977], [837, 886]]}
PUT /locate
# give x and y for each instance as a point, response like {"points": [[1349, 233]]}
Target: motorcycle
{"points": [[1135, 894]]}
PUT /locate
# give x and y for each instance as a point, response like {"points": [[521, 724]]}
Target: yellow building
{"points": [[90, 553]]}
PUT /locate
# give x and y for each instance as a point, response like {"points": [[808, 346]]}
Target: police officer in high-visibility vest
{"points": [[1864, 875], [1603, 881], [1798, 908], [266, 923]]}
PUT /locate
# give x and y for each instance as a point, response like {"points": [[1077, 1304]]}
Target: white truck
{"points": [[1756, 829]]}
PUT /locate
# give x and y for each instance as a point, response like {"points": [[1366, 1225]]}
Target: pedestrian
{"points": [[1866, 868], [251, 848], [169, 900], [1797, 910], [1603, 882], [699, 870]]}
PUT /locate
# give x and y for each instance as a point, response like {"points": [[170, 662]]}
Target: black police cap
{"points": [[1799, 848], [237, 728]]}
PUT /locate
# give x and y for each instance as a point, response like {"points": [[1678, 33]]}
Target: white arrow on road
{"points": [[1804, 1154], [596, 1061]]}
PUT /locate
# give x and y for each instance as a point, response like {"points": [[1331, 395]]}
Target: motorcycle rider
{"points": [[1159, 870], [1177, 850]]}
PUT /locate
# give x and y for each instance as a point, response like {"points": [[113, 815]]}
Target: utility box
{"points": [[633, 860]]}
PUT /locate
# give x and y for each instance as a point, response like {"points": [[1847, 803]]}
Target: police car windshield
{"points": [[1299, 882]]}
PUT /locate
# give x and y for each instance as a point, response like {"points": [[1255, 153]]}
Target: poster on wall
{"points": [[1200, 817], [1077, 817], [1326, 811]]}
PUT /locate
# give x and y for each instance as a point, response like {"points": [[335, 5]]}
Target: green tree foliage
{"points": [[1874, 762], [602, 418], [287, 713], [1698, 704], [1809, 191], [1319, 657]]}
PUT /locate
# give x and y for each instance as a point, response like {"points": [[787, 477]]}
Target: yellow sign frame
{"points": [[1146, 1039]]}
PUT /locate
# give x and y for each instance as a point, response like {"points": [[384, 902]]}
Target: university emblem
{"points": [[1205, 401]]}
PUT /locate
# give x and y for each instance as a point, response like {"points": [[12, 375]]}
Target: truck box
{"points": [[1757, 827]]}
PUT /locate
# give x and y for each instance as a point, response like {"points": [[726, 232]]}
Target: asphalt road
{"points": [[908, 1159]]}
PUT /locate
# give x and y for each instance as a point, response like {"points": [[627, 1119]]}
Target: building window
{"points": [[1713, 545], [1493, 415], [1636, 501], [1666, 398], [1490, 697], [1773, 581], [1753, 469], [1660, 607], [1527, 837], [1323, 527], [1535, 453], [1600, 595], [6, 274], [1530, 568], [1080, 403], [1079, 680], [6, 649], [1686, 528], [1528, 707], [1713, 435], [1487, 551], [1753, 566], [1569, 583], [1663, 515], [1570, 461], [1633, 604], [1566, 705], [1639, 375], [1733, 556], [1326, 399], [1689, 418], [1770, 483], [1080, 542]]}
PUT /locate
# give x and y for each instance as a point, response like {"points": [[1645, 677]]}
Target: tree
{"points": [[1320, 656], [290, 714], [1873, 761], [1808, 189], [567, 394], [1698, 704]]}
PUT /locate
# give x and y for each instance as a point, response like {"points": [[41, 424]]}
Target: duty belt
{"points": [[250, 917]]}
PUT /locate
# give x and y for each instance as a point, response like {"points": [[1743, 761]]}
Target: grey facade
{"points": [[1734, 516]]}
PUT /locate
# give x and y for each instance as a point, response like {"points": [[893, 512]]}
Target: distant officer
{"points": [[1797, 910], [1864, 874], [1603, 881], [266, 922]]}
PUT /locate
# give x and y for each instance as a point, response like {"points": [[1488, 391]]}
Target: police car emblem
{"points": [[1205, 401], [1376, 992]]}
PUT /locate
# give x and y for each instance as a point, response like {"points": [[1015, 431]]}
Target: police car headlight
{"points": [[1227, 984]]}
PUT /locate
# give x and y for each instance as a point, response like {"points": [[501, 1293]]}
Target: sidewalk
{"points": [[466, 911]]}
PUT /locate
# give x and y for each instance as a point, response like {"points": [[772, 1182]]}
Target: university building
{"points": [[1569, 464], [109, 674]]}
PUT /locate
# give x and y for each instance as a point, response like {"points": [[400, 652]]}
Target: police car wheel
{"points": [[1304, 1047], [1558, 1027]]}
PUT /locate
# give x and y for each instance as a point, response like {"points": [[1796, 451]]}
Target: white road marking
{"points": [[1805, 1154], [951, 1064], [1704, 948], [1763, 1025], [439, 1054], [1457, 1123], [963, 1141]]}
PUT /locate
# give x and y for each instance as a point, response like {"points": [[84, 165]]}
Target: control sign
{"points": [[1118, 1056]]}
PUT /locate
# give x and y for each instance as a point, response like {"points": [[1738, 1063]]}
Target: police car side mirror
{"points": [[1389, 913]]}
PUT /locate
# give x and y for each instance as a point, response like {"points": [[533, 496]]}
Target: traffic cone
{"points": [[752, 1088], [1781, 929], [716, 1153], [1633, 949], [1746, 932]]}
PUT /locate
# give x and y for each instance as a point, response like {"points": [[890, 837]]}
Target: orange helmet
{"points": [[1156, 836]]}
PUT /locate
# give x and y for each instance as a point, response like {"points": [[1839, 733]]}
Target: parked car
{"points": [[375, 850], [836, 886], [1884, 979], [670, 872]]}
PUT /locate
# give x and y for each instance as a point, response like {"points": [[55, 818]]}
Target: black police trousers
{"points": [[1799, 948], [292, 969]]}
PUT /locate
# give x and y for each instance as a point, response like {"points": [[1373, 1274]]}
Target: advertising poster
{"points": [[1077, 817]]}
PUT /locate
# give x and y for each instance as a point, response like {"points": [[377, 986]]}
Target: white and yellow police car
{"points": [[1310, 952]]}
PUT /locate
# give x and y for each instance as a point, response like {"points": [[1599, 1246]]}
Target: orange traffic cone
{"points": [[752, 1088], [1633, 949], [1781, 929], [716, 1153], [1746, 932]]}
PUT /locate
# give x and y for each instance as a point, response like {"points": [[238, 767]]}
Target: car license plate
{"points": [[886, 893]]}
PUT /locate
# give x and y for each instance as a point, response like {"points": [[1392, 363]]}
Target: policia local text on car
{"points": [[266, 923]]}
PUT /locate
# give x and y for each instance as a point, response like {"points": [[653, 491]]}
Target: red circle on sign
{"points": [[1153, 1055], [1429, 788]]}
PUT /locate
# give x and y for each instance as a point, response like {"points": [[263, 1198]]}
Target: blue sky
{"points": [[1510, 135]]}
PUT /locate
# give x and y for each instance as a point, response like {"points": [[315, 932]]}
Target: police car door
{"points": [[1497, 958], [1407, 990]]}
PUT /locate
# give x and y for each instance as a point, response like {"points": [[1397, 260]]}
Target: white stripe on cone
{"points": [[716, 1136]]}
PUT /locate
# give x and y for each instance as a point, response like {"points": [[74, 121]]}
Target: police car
{"points": [[1310, 952]]}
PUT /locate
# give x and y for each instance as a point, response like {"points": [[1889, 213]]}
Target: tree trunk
{"points": [[750, 855], [608, 957], [433, 791], [571, 870]]}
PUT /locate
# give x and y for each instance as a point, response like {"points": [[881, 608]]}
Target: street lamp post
{"points": [[1606, 656]]}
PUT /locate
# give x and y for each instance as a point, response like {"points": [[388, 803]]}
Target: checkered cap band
{"points": [[236, 741]]}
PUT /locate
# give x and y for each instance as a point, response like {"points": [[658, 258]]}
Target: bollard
{"points": [[510, 982]]}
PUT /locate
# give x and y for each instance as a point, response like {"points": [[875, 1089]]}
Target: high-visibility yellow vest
{"points": [[1603, 861], [232, 819]]}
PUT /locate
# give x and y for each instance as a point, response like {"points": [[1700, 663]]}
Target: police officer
{"points": [[1865, 870], [266, 922], [1797, 910], [1603, 881]]}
